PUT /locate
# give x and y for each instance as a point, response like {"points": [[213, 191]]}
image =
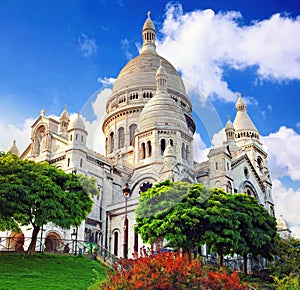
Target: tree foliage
{"points": [[189, 215], [237, 223], [222, 234], [173, 211], [287, 262], [257, 228], [37, 193]]}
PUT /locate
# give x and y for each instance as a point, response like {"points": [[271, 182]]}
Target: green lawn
{"points": [[47, 271]]}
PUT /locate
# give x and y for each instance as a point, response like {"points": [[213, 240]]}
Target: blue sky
{"points": [[57, 52]]}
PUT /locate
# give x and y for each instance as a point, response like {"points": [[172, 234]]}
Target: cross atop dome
{"points": [[149, 34]]}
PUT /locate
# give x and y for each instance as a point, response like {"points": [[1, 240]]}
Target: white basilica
{"points": [[149, 131]]}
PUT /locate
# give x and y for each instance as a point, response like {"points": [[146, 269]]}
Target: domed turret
{"points": [[229, 130], [163, 124], [149, 34], [134, 87], [64, 121], [77, 132], [14, 149], [161, 111], [243, 125], [77, 123]]}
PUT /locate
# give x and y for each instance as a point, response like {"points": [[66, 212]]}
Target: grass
{"points": [[48, 271]]}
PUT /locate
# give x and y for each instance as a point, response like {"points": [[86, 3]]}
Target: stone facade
{"points": [[149, 131]]}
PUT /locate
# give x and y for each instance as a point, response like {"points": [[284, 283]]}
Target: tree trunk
{"points": [[190, 252], [220, 258], [245, 258], [31, 248]]}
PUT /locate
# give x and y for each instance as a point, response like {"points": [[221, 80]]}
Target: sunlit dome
{"points": [[77, 123]]}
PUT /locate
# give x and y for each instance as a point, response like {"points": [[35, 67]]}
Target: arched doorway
{"points": [[53, 242], [15, 242]]}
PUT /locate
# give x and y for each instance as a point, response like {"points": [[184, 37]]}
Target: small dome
{"points": [[242, 121], [161, 70], [149, 23], [282, 224], [77, 123], [229, 124], [169, 151], [161, 111], [64, 115], [14, 149]]}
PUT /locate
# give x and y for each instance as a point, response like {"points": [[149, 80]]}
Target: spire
{"points": [[64, 121], [243, 125], [229, 130], [240, 104], [149, 34], [161, 78], [14, 149]]}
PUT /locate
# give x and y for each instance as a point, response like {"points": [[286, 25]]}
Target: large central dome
{"points": [[133, 88], [140, 73], [136, 81]]}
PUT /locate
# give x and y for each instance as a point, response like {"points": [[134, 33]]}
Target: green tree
{"points": [[238, 224], [287, 262], [257, 228], [222, 233], [37, 193], [173, 211]]}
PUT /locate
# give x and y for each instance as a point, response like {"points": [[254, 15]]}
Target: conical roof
{"points": [[229, 124], [282, 224], [242, 121], [14, 149], [64, 115], [149, 23]]}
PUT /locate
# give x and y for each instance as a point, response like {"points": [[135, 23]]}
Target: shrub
{"points": [[168, 271], [287, 282]]}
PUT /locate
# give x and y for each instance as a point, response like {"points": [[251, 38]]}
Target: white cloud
{"points": [[96, 138], [284, 153], [287, 202], [12, 132], [284, 160], [219, 138], [125, 46], [214, 41], [199, 149], [87, 45]]}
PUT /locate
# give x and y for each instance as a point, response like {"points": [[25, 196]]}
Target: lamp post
{"points": [[74, 238], [126, 192]]}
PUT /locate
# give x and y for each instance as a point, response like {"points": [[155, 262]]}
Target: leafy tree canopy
{"points": [[37, 193], [173, 211], [239, 224]]}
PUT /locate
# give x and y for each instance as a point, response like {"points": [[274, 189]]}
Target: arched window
{"points": [[260, 164], [162, 146], [121, 139], [183, 151], [111, 142], [149, 148], [81, 162], [171, 142], [143, 151], [229, 187], [187, 152], [116, 243], [132, 129]]}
